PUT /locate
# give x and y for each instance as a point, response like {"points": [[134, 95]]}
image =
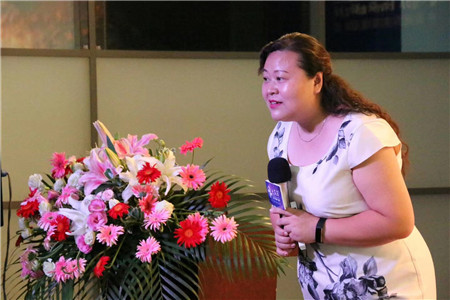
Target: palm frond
{"points": [[253, 251], [174, 271]]}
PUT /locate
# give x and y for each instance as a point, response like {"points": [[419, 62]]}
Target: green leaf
{"points": [[173, 272], [110, 144], [67, 290]]}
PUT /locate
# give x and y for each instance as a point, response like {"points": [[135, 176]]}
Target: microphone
{"points": [[279, 174]]}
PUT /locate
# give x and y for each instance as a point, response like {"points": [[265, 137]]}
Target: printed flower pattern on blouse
{"points": [[341, 143], [277, 140], [306, 269], [347, 285], [344, 284]]}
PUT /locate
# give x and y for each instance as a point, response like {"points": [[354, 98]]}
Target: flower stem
{"points": [[117, 253]]}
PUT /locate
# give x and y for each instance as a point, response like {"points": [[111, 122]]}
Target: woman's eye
{"points": [[265, 79], [280, 78]]}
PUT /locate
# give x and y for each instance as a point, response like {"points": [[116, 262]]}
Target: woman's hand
{"points": [[293, 226], [298, 224], [285, 245]]}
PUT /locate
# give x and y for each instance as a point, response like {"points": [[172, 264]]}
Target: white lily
{"points": [[170, 172], [78, 215]]}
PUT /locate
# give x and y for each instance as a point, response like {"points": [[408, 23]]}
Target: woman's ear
{"points": [[318, 82]]}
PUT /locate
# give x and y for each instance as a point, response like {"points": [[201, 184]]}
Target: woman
{"points": [[345, 156]]}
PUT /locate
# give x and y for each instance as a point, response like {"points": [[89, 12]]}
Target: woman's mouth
{"points": [[273, 103]]}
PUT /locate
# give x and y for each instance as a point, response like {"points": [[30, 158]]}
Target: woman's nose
{"points": [[272, 89]]}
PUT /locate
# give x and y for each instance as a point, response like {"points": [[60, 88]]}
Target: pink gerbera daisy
{"points": [[74, 268], [59, 163], [81, 267], [147, 203], [141, 191], [156, 218], [146, 248], [224, 229], [27, 265], [67, 192], [192, 176], [60, 270], [48, 238], [109, 234], [47, 220]]}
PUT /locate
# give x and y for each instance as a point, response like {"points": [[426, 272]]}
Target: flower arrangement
{"points": [[128, 222]]}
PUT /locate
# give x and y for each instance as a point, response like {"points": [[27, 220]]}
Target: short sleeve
{"points": [[370, 137], [277, 144]]}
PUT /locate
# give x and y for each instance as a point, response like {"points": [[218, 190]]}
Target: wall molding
{"points": [[205, 54], [412, 192]]}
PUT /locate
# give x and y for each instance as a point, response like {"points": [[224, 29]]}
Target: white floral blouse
{"points": [[403, 268]]}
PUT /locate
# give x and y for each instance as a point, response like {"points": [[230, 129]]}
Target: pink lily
{"points": [[97, 163], [103, 132], [132, 146]]}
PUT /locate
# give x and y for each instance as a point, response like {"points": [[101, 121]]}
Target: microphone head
{"points": [[278, 170]]}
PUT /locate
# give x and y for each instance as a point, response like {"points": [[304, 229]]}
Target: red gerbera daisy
{"points": [[190, 146], [147, 203], [119, 210], [148, 174], [32, 193], [62, 224], [197, 142], [28, 208], [189, 233], [218, 196], [100, 266], [187, 147]]}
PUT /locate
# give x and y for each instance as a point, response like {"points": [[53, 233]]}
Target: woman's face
{"points": [[289, 93]]}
